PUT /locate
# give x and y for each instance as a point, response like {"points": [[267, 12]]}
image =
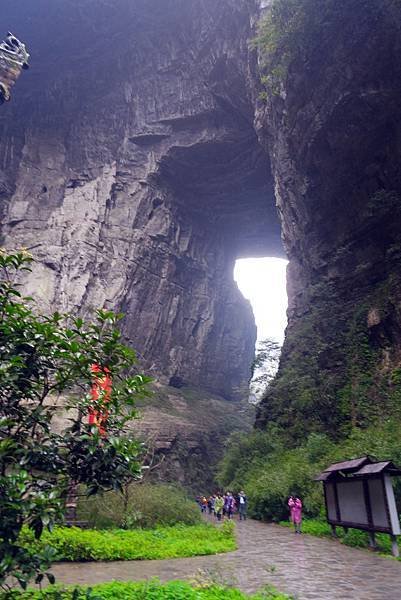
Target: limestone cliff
{"points": [[131, 169], [132, 165], [331, 122]]}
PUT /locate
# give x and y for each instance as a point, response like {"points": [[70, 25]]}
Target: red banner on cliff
{"points": [[100, 392]]}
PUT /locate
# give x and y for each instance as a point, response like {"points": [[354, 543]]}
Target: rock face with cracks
{"points": [[332, 125], [130, 168], [136, 169]]}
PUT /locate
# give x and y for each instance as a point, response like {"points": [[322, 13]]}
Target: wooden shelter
{"points": [[359, 494]]}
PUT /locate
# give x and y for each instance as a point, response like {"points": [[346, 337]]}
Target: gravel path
{"points": [[302, 565]]}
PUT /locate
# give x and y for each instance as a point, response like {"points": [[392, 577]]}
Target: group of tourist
{"points": [[224, 505], [227, 505]]}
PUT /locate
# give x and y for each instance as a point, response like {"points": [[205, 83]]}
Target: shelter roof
{"points": [[379, 467], [348, 465], [358, 467]]}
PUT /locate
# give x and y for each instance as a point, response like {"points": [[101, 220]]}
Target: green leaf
{"points": [[51, 578]]}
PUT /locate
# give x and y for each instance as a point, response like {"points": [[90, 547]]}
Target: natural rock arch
{"points": [[132, 168], [134, 173]]}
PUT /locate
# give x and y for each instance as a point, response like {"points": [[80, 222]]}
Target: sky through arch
{"points": [[263, 282]]}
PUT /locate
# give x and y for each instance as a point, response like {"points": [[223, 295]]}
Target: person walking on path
{"points": [[295, 506], [242, 505], [218, 506], [204, 504], [229, 505], [213, 503]]}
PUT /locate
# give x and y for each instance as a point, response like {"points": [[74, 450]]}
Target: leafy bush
{"points": [[41, 357], [262, 464], [265, 465], [140, 505], [73, 544], [153, 590]]}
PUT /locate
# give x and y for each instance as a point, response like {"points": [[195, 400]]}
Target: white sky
{"points": [[263, 282]]}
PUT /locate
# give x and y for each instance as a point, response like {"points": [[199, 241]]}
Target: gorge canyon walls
{"points": [[332, 126], [131, 170], [142, 156]]}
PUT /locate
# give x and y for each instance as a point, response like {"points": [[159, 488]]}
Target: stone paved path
{"points": [[309, 568]]}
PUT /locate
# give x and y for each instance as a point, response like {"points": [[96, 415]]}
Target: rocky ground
{"points": [[189, 427]]}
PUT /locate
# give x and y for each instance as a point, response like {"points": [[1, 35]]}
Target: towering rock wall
{"points": [[332, 124], [131, 169]]}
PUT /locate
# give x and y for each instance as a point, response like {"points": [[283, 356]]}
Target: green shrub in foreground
{"points": [[41, 357], [153, 590], [141, 505], [73, 544]]}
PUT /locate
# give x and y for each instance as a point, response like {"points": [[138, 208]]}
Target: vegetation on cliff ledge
{"points": [[292, 30]]}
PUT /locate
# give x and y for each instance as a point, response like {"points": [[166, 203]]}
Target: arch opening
{"points": [[263, 281]]}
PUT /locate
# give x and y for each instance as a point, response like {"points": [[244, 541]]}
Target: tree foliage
{"points": [[265, 366], [46, 368], [141, 506], [269, 467]]}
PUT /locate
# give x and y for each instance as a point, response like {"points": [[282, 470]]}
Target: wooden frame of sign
{"points": [[359, 494]]}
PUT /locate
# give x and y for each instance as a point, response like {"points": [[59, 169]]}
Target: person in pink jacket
{"points": [[295, 506]]}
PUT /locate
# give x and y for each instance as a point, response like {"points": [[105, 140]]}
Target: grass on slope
{"points": [[354, 537], [73, 544], [153, 590]]}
